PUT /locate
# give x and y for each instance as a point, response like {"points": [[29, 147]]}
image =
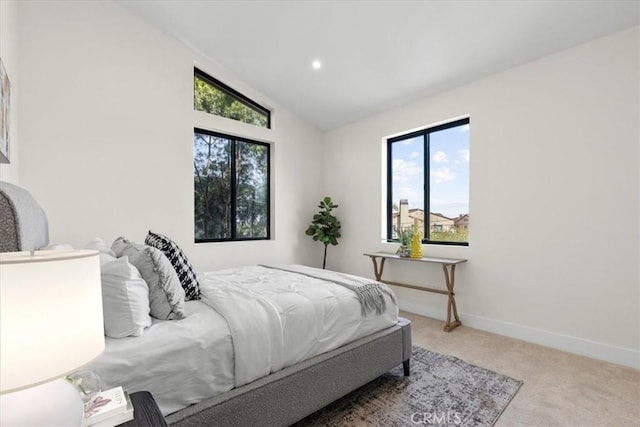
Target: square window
{"points": [[231, 187]]}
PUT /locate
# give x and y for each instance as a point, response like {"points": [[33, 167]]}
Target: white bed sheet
{"points": [[180, 362]]}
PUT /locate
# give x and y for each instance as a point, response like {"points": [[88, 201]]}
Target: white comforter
{"points": [[262, 320], [180, 362], [278, 318]]}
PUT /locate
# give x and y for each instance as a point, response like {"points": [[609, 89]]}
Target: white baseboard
{"points": [[595, 350]]}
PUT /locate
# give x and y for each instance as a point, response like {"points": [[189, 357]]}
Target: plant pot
{"points": [[403, 251]]}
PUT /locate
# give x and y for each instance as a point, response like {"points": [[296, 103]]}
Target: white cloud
{"points": [[442, 174], [413, 195], [440, 157], [415, 154], [463, 156], [404, 171], [450, 208]]}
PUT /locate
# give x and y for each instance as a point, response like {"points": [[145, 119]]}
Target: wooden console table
{"points": [[449, 268]]}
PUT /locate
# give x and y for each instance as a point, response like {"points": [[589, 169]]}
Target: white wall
{"points": [[9, 56], [107, 134], [106, 125], [554, 204]]}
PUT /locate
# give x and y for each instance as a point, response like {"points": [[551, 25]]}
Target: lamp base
{"points": [[56, 403]]}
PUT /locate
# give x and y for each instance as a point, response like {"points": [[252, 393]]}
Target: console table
{"points": [[449, 269]]}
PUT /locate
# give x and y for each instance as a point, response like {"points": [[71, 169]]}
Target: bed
{"points": [[195, 366]]}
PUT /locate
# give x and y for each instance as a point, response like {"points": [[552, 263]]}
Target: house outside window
{"points": [[428, 171], [231, 182]]}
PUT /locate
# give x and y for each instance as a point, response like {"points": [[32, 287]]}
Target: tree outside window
{"points": [[214, 97], [231, 187]]}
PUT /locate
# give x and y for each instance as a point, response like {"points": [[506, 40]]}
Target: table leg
{"points": [[376, 271], [451, 304]]}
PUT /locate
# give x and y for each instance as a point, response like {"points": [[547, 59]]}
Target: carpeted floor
{"points": [[441, 390]]}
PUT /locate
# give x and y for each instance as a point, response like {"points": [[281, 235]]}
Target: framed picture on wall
{"points": [[5, 104]]}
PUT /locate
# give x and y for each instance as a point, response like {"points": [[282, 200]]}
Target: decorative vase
{"points": [[403, 251], [416, 241]]}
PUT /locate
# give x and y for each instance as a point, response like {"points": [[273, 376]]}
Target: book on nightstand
{"points": [[110, 408]]}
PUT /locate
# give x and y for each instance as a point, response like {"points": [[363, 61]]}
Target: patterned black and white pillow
{"points": [[179, 261]]}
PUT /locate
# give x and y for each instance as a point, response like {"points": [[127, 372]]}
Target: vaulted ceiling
{"points": [[376, 55]]}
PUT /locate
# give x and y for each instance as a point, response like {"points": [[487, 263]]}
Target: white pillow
{"points": [[166, 296], [97, 244], [105, 258], [104, 252], [125, 299]]}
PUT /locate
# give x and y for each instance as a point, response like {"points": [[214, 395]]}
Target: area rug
{"points": [[441, 391]]}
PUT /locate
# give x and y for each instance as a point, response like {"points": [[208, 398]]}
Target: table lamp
{"points": [[50, 325]]}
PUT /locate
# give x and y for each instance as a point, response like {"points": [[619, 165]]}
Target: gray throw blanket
{"points": [[369, 292]]}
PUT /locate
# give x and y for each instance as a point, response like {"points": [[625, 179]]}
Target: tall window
{"points": [[231, 187], [213, 96], [428, 183]]}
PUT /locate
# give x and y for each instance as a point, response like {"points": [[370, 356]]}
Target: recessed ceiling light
{"points": [[316, 64]]}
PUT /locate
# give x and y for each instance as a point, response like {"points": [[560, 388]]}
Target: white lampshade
{"points": [[50, 315]]}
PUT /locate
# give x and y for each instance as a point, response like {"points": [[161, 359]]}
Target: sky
{"points": [[449, 171]]}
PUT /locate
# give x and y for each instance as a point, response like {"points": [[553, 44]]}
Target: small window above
{"points": [[214, 97]]}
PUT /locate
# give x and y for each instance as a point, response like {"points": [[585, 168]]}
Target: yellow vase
{"points": [[416, 241]]}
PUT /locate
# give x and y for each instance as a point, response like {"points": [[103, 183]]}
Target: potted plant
{"points": [[325, 227], [405, 234]]}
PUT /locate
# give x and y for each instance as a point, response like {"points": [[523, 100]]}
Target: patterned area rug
{"points": [[441, 391]]}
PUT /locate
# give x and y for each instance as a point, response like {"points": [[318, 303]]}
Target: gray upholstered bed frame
{"points": [[279, 399], [289, 395], [23, 223]]}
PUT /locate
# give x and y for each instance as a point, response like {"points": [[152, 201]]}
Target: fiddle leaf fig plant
{"points": [[325, 227]]}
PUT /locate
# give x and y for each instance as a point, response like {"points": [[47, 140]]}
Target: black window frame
{"points": [[234, 94], [426, 178], [233, 196]]}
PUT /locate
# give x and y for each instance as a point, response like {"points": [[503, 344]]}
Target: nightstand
{"points": [[146, 412]]}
